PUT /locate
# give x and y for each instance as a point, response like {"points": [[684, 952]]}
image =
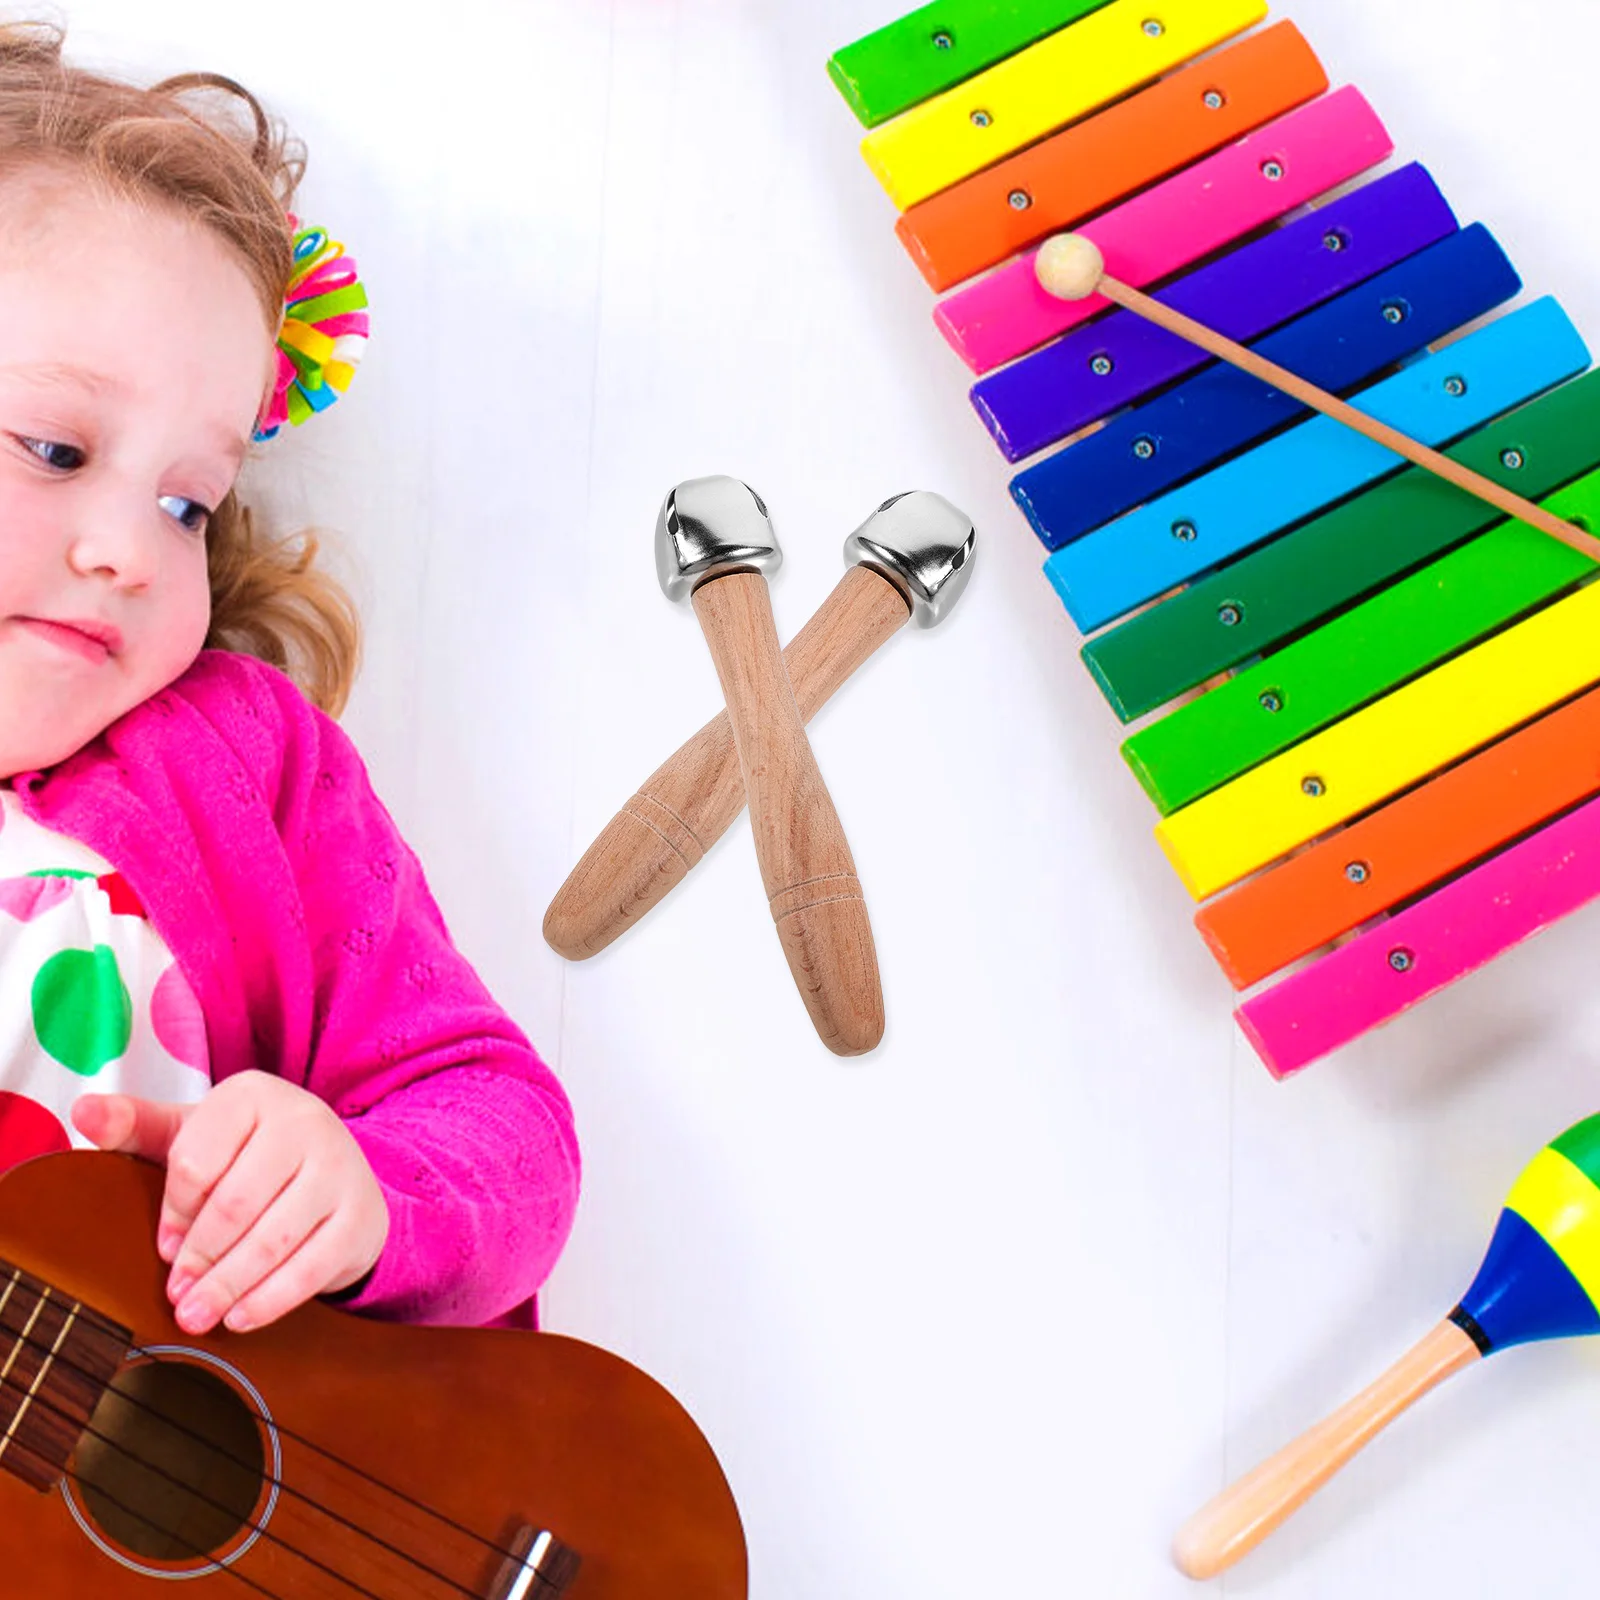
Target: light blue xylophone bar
{"points": [[1237, 505]]}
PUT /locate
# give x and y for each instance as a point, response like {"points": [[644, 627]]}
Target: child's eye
{"points": [[68, 458], [63, 457], [190, 513]]}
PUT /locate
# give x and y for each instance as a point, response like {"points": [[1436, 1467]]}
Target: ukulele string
{"points": [[199, 1550], [41, 1400], [259, 1529], [170, 1533], [119, 1334]]}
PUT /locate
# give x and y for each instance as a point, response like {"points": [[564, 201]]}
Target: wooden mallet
{"points": [[910, 559], [1070, 267], [714, 545]]}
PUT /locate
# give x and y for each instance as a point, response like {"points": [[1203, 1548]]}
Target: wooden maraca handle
{"points": [[1234, 1523], [689, 801], [805, 862]]}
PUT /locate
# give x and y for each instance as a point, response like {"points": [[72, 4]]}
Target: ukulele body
{"points": [[483, 1432]]}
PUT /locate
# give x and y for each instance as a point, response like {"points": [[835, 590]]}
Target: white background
{"points": [[991, 1310]]}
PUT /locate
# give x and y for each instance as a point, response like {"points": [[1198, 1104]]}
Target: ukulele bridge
{"points": [[537, 1567]]}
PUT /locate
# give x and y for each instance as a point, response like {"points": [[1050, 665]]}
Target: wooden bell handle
{"points": [[1246, 1512], [806, 867], [689, 801]]}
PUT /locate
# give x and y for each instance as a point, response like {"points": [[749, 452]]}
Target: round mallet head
{"points": [[1069, 266], [923, 545], [709, 527]]}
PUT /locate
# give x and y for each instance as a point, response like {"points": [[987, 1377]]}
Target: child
{"points": [[215, 949]]}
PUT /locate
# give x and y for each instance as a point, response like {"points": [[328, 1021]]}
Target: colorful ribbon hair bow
{"points": [[324, 331]]}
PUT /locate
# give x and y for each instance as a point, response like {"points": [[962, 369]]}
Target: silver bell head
{"points": [[712, 526], [923, 545]]}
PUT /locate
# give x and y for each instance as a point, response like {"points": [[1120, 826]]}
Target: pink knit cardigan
{"points": [[245, 822]]}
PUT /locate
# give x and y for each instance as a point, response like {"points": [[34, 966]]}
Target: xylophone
{"points": [[1365, 702], [1540, 1279]]}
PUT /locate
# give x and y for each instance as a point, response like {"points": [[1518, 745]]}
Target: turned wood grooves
{"points": [[806, 867], [689, 801]]}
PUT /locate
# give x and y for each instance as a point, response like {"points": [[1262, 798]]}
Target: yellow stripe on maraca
{"points": [[1559, 1201]]}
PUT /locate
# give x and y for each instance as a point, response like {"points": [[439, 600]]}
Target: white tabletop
{"points": [[991, 1310]]}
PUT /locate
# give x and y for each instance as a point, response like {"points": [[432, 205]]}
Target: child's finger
{"points": [[277, 1235], [237, 1202], [203, 1150], [124, 1122], [300, 1277]]}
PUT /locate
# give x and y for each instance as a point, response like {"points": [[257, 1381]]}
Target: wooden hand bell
{"points": [[910, 559], [714, 544]]}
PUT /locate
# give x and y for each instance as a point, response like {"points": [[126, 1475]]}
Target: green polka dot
{"points": [[81, 1010]]}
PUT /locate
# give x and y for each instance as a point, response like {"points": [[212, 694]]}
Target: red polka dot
{"points": [[26, 1130], [178, 1022], [124, 902]]}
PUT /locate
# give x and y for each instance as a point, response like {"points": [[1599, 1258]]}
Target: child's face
{"points": [[134, 359]]}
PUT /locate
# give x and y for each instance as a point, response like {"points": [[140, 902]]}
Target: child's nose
{"points": [[117, 540]]}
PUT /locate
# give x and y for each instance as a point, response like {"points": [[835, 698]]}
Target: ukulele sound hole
{"points": [[172, 1465]]}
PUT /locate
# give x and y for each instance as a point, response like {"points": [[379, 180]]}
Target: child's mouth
{"points": [[92, 641]]}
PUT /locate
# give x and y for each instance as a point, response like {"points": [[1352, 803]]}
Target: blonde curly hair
{"points": [[175, 142]]}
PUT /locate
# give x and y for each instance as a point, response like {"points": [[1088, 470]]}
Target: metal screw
{"points": [[1229, 615], [1455, 386], [1401, 959], [1144, 447], [1357, 871], [1511, 459], [1313, 787], [1271, 700], [1272, 170], [1155, 29], [1212, 100], [1184, 532], [942, 40], [1394, 311], [981, 119], [1020, 199], [1333, 239], [1100, 365]]}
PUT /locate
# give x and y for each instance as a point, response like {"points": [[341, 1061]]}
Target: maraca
{"points": [[1539, 1280]]}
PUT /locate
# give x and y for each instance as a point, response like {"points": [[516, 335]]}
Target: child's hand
{"points": [[269, 1200]]}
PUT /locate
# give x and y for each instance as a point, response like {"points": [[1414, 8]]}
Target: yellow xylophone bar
{"points": [[1390, 745], [1061, 78]]}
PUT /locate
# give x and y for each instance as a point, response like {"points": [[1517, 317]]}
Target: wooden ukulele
{"points": [[325, 1457]]}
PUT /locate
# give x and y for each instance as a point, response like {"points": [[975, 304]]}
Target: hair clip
{"points": [[324, 331]]}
